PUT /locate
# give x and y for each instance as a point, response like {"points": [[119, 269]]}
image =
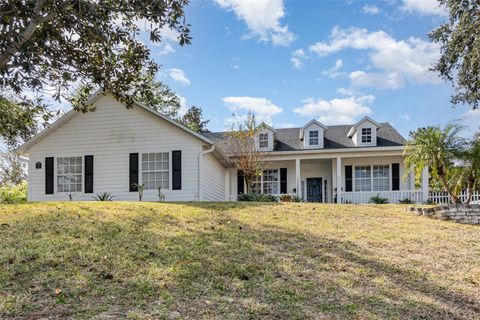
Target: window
{"points": [[155, 170], [381, 177], [263, 140], [363, 178], [69, 174], [313, 138], [366, 135], [267, 183]]}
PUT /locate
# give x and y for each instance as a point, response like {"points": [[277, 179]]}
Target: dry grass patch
{"points": [[234, 261]]}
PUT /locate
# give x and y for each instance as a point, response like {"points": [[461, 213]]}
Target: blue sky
{"points": [[292, 61]]}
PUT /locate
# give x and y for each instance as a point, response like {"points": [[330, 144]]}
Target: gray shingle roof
{"points": [[335, 138]]}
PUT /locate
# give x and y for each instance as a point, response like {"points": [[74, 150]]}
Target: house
{"points": [[115, 148]]}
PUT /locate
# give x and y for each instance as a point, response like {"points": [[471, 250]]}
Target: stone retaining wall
{"points": [[462, 213]]}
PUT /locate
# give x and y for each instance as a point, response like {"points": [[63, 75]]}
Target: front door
{"points": [[314, 190]]}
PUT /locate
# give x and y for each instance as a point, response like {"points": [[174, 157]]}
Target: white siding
{"points": [[357, 137], [306, 136], [213, 179], [110, 134]]}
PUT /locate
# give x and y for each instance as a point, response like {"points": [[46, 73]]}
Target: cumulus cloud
{"points": [[262, 18], [370, 9], [297, 58], [423, 7], [471, 119], [262, 108], [338, 110], [179, 76], [167, 49], [398, 60], [334, 72]]}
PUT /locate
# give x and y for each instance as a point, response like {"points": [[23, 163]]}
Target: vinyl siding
{"points": [[213, 175], [110, 134]]}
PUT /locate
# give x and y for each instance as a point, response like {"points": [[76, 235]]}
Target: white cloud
{"points": [[285, 125], [235, 66], [423, 7], [183, 105], [179, 76], [297, 58], [263, 108], [471, 119], [262, 18], [399, 60], [167, 49], [406, 117], [334, 72], [338, 110], [370, 9]]}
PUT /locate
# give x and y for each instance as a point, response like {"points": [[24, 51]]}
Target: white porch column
{"points": [[339, 179], [227, 184], [334, 179], [412, 178], [425, 188], [297, 177]]}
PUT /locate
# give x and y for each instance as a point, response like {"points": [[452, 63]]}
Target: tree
{"points": [[12, 169], [459, 38], [469, 172], [241, 141], [160, 97], [436, 148], [193, 119], [47, 46]]}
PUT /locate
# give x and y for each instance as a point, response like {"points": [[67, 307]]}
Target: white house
{"points": [[114, 148]]}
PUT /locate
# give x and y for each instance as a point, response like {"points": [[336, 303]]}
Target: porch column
{"points": [[297, 177], [412, 178], [227, 184], [425, 188], [339, 179], [334, 179]]}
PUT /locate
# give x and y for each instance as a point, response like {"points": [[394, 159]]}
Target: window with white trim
{"points": [[69, 174], [366, 135], [263, 140], [363, 178], [267, 183], [156, 170], [381, 177], [313, 137]]}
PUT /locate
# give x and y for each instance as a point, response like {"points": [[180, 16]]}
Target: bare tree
{"points": [[241, 140]]}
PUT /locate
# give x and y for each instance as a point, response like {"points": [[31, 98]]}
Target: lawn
{"points": [[234, 261]]}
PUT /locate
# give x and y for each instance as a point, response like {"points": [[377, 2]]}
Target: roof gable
{"points": [[318, 123], [365, 119]]}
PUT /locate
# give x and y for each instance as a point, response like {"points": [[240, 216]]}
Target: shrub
{"points": [[378, 200], [296, 199], [285, 198], [14, 193], [104, 196], [257, 197], [405, 201]]}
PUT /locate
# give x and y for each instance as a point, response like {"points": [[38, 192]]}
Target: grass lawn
{"points": [[234, 261]]}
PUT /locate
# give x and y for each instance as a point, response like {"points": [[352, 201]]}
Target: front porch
{"points": [[316, 179]]}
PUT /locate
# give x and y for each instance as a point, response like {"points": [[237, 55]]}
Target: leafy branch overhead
{"points": [[57, 43]]}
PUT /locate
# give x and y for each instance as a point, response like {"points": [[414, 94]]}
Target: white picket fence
{"points": [[362, 197], [444, 198]]}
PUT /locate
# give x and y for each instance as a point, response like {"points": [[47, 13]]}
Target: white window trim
{"points": [[354, 178], [55, 175], [310, 138], [260, 140], [278, 182], [366, 135], [140, 175]]}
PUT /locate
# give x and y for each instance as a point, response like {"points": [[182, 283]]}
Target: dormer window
{"points": [[313, 136], [263, 140], [366, 135]]}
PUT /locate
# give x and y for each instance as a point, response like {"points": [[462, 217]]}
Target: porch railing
{"points": [[444, 198], [362, 197]]}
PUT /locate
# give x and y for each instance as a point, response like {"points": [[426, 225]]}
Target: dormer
{"points": [[265, 137], [313, 134], [364, 133]]}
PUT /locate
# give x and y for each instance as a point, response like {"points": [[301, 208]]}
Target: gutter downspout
{"points": [[200, 157]]}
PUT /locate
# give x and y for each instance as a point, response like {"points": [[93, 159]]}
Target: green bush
{"points": [[257, 197], [405, 201], [104, 196], [14, 193], [378, 200]]}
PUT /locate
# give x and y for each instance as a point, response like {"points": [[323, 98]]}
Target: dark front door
{"points": [[314, 189]]}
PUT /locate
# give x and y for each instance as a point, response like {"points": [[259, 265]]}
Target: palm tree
{"points": [[435, 148], [469, 174]]}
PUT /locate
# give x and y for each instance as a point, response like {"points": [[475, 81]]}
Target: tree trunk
{"points": [[469, 191], [455, 199]]}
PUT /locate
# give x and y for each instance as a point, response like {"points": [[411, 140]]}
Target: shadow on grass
{"points": [[207, 266]]}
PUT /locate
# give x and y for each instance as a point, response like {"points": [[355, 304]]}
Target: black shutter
{"points": [[395, 176], [133, 171], [177, 170], [283, 180], [49, 173], [348, 179], [88, 174], [240, 182]]}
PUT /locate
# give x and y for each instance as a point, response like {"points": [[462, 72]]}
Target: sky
{"points": [[292, 61]]}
